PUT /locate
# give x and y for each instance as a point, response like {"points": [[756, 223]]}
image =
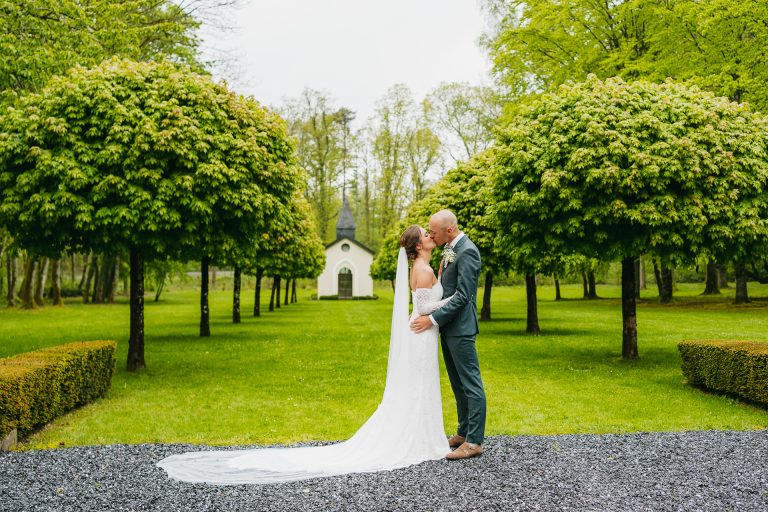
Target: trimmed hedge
{"points": [[36, 387], [736, 367]]}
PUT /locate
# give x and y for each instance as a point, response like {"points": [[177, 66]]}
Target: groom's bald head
{"points": [[443, 227]]}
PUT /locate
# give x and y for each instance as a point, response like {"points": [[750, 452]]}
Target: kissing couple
{"points": [[407, 426]]}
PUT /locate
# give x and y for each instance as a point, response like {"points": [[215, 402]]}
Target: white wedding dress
{"points": [[406, 428]]}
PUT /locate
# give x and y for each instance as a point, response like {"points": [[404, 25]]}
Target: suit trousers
{"points": [[461, 362]]}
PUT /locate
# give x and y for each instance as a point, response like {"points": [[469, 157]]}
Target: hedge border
{"points": [[36, 387], [730, 366]]}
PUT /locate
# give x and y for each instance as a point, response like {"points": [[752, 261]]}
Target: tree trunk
{"points": [[56, 283], [628, 309], [722, 277], [42, 274], [667, 282], [72, 268], [114, 280], [637, 278], [25, 294], [3, 274], [657, 275], [97, 294], [236, 297], [592, 285], [81, 285], [532, 324], [287, 290], [159, 290], [272, 295], [585, 284], [742, 297], [278, 281], [485, 311], [558, 296], [257, 293], [10, 268], [294, 297], [205, 322], [93, 271], [712, 286], [136, 336]]}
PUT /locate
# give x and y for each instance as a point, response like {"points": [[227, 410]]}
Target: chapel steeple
{"points": [[345, 227]]}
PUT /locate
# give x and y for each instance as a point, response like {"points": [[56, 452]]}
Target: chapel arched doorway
{"points": [[345, 283]]}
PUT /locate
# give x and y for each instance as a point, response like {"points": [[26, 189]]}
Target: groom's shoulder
{"points": [[466, 243]]}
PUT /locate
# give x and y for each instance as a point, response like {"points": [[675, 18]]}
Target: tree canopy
{"points": [[43, 38], [613, 170], [148, 157]]}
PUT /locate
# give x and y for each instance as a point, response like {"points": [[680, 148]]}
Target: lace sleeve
{"points": [[422, 304]]}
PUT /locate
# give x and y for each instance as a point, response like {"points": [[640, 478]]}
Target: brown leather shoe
{"points": [[465, 452], [456, 440]]}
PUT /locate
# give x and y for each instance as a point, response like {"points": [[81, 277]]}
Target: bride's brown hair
{"points": [[410, 238]]}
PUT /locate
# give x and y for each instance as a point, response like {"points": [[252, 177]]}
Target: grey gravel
{"points": [[707, 470]]}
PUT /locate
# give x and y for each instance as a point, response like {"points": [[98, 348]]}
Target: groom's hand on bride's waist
{"points": [[421, 323]]}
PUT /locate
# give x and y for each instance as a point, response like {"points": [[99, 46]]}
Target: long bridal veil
{"points": [[405, 429]]}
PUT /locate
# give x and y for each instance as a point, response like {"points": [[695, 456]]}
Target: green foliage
{"points": [[37, 387], [146, 154], [466, 191], [291, 247], [324, 144], [42, 38], [463, 116], [717, 44], [613, 170], [736, 367]]}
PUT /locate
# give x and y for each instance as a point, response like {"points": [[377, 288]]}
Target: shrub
{"points": [[735, 367], [36, 387]]}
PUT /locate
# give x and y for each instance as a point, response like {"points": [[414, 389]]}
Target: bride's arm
{"points": [[422, 304]]}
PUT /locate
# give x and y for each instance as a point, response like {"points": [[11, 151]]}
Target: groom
{"points": [[460, 268]]}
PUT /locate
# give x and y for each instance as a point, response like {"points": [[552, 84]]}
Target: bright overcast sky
{"points": [[353, 49]]}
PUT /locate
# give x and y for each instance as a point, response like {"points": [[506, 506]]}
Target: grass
{"points": [[315, 370]]}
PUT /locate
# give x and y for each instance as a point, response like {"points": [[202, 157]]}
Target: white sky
{"points": [[354, 50]]}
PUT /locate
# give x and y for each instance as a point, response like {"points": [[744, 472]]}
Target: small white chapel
{"points": [[347, 262]]}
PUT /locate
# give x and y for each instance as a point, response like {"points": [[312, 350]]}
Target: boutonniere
{"points": [[449, 255]]}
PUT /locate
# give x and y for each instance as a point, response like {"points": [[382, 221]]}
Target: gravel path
{"points": [[708, 470]]}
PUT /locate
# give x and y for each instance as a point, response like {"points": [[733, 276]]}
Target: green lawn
{"points": [[315, 370]]}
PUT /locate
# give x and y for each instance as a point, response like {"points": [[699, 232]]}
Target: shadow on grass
{"points": [[548, 332]]}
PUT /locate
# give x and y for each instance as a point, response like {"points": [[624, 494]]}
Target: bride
{"points": [[406, 428]]}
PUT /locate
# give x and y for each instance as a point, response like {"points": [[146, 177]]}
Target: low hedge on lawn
{"points": [[736, 367], [36, 387]]}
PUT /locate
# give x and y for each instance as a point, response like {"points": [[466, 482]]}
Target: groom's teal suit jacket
{"points": [[459, 316]]}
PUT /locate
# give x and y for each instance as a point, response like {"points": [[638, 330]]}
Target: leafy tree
{"points": [[538, 44], [463, 116], [43, 38], [616, 170], [717, 44], [150, 158], [324, 141], [290, 248]]}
